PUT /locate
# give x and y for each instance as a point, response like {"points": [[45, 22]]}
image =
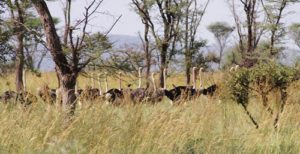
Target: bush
{"points": [[262, 79]]}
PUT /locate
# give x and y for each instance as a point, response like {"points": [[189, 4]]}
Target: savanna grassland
{"points": [[206, 125]]}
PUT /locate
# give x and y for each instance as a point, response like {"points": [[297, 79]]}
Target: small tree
{"points": [[67, 67], [249, 30], [274, 11], [162, 17], [221, 31], [294, 30]]}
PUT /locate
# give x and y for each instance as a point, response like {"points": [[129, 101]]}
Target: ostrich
{"points": [[113, 96], [90, 92], [200, 77], [47, 94], [137, 95], [7, 95], [140, 77], [106, 83], [158, 94], [231, 69], [183, 92], [120, 84], [187, 92], [205, 91], [93, 81], [236, 67], [24, 97], [99, 84], [24, 79]]}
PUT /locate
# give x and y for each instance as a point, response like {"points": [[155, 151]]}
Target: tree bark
{"points": [[148, 55], [186, 47], [163, 61], [20, 49], [19, 64], [67, 14]]}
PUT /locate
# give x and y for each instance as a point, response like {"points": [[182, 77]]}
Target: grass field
{"points": [[206, 125]]}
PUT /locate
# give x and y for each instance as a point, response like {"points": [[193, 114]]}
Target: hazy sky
{"points": [[130, 23]]}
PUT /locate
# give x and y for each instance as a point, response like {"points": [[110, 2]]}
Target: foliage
{"points": [[221, 30], [206, 125], [262, 78], [294, 30], [232, 56], [239, 86]]}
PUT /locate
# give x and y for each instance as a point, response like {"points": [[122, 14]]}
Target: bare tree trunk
{"points": [[247, 61], [68, 92], [19, 64], [20, 50], [186, 48], [163, 61], [67, 15], [284, 95], [250, 116], [148, 55]]}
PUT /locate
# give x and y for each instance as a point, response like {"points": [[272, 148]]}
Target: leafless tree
{"points": [[67, 66]]}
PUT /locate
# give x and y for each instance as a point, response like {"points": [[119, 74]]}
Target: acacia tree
{"points": [[193, 14], [221, 31], [274, 11], [67, 67], [143, 7], [295, 33], [17, 19], [253, 30], [169, 12]]}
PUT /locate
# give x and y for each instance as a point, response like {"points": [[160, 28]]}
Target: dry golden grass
{"points": [[206, 125]]}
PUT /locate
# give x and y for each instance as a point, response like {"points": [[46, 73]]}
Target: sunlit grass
{"points": [[206, 125]]}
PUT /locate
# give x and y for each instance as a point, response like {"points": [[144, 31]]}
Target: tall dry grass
{"points": [[206, 125]]}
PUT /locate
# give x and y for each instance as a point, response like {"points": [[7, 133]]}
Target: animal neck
{"points": [[194, 77], [93, 80], [165, 79], [200, 76], [106, 83], [153, 81], [99, 83], [140, 77], [24, 79], [120, 84]]}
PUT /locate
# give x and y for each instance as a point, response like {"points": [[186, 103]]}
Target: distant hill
{"points": [[121, 40], [117, 40]]}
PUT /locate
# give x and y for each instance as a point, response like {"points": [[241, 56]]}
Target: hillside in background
{"points": [[117, 40]]}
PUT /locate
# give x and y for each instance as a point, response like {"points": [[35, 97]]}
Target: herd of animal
{"points": [[118, 96]]}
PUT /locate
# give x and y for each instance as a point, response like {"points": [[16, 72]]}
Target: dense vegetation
{"points": [[206, 125], [253, 108]]}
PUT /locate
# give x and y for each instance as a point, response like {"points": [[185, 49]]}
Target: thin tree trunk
{"points": [[148, 55], [163, 58], [19, 64], [20, 50], [186, 48], [250, 116], [283, 94], [67, 14]]}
